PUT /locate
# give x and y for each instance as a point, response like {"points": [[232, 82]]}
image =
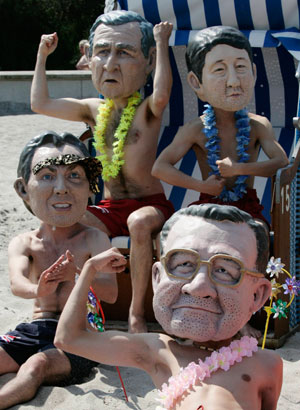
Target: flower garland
{"points": [[213, 149], [111, 167], [220, 359]]}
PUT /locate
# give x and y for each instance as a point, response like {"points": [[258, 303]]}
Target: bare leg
{"points": [[141, 224], [7, 363], [50, 366]]}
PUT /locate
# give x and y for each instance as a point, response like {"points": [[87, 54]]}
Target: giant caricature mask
{"points": [[211, 305], [221, 69]]}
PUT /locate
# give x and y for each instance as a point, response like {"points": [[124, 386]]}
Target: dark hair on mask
{"points": [[118, 17], [48, 137], [207, 39], [222, 213]]}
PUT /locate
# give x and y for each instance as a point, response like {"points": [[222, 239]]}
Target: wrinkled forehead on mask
{"points": [[92, 166]]}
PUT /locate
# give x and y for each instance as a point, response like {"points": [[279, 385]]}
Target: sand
{"points": [[103, 389]]}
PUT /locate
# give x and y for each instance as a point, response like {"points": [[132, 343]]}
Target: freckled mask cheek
{"points": [[214, 320], [164, 298]]}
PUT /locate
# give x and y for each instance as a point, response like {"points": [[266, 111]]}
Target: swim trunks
{"points": [[114, 213], [31, 338], [249, 203]]}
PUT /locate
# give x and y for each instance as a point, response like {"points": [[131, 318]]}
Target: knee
{"points": [[36, 366], [139, 226]]}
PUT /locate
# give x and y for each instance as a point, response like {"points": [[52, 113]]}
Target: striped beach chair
{"points": [[272, 27]]}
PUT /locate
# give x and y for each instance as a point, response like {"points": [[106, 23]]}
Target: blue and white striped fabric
{"points": [[273, 29]]}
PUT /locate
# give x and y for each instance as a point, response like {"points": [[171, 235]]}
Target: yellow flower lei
{"points": [[112, 167]]}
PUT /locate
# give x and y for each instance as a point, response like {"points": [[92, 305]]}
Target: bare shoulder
{"points": [[91, 233], [93, 106], [270, 363], [22, 242], [93, 239], [192, 130], [259, 123], [156, 353]]}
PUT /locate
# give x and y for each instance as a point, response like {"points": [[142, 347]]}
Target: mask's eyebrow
{"points": [[119, 46], [101, 44], [39, 166], [124, 46]]}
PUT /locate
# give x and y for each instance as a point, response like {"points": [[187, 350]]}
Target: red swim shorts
{"points": [[249, 203], [114, 213]]}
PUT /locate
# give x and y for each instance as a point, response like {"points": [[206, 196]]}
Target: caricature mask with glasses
{"points": [[222, 269]]}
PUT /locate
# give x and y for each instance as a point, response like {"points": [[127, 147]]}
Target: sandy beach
{"points": [[103, 389]]}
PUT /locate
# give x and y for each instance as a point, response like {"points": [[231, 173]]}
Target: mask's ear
{"points": [[20, 188], [156, 275], [263, 289], [87, 54], [195, 85]]}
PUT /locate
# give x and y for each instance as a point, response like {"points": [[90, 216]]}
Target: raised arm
{"points": [[104, 283], [273, 150], [111, 347], [164, 166], [64, 108], [162, 83]]}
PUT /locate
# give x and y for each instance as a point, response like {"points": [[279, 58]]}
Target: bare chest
{"points": [[232, 390], [44, 254]]}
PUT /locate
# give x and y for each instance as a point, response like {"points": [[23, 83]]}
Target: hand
{"points": [[48, 44], [227, 167], [62, 270], [214, 185], [162, 31], [110, 261]]}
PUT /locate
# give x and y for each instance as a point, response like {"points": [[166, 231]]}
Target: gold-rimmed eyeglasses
{"points": [[222, 269]]}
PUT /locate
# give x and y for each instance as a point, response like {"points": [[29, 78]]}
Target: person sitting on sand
{"points": [[124, 49], [206, 285], [56, 176]]}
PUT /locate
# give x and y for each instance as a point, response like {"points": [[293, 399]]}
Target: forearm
{"points": [[261, 169], [105, 287], [173, 176], [39, 88], [163, 74], [73, 318]]}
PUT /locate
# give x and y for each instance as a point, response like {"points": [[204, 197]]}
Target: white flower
{"points": [[274, 266]]}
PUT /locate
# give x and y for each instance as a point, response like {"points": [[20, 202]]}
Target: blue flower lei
{"points": [[213, 149]]}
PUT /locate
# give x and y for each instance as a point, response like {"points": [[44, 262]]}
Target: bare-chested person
{"points": [[56, 175], [226, 138], [206, 286], [122, 49]]}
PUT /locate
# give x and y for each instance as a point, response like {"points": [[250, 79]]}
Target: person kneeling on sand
{"points": [[206, 285], [55, 178]]}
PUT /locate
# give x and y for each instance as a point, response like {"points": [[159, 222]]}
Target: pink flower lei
{"points": [[223, 359]]}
